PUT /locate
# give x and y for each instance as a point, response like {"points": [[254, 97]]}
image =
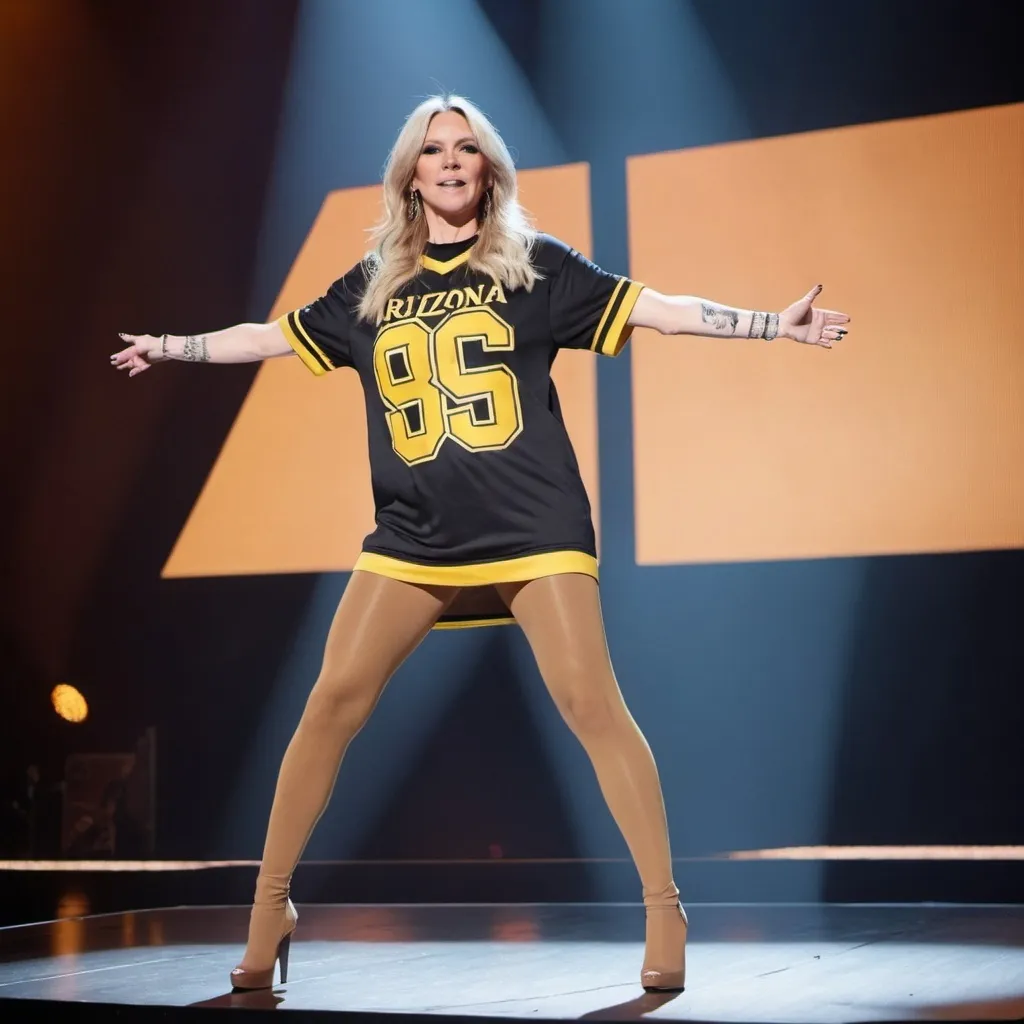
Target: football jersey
{"points": [[474, 477]]}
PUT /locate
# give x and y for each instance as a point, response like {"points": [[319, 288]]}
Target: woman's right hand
{"points": [[142, 352]]}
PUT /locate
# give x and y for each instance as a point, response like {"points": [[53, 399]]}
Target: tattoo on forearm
{"points": [[195, 350], [722, 318]]}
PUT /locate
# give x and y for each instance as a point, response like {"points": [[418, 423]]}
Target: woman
{"points": [[452, 323]]}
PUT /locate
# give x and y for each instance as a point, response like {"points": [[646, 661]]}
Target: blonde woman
{"points": [[452, 323]]}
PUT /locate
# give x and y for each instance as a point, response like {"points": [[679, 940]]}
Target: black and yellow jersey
{"points": [[475, 481]]}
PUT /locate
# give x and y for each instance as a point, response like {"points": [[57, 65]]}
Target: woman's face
{"points": [[451, 173]]}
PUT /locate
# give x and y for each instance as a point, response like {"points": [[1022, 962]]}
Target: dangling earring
{"points": [[487, 205], [414, 203]]}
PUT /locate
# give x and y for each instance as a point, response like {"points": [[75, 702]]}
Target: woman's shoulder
{"points": [[353, 282], [548, 253]]}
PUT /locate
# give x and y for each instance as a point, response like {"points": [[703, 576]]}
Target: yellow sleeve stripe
{"points": [[307, 350], [604, 316], [613, 331], [313, 346]]}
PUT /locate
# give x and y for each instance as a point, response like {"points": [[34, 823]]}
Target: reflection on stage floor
{"points": [[545, 961]]}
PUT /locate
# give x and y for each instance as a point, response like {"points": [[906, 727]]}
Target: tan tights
{"points": [[561, 617], [379, 622]]}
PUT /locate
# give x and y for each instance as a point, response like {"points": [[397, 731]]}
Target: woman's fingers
{"points": [[131, 358], [124, 357], [827, 326], [124, 353]]}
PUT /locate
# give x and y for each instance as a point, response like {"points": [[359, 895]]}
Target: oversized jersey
{"points": [[475, 481]]}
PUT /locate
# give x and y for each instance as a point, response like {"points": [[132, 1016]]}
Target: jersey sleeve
{"points": [[321, 332], [588, 306]]}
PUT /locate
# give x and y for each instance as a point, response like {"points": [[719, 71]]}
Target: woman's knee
{"points": [[343, 699], [591, 705]]}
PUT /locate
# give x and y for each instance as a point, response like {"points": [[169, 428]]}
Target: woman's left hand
{"points": [[805, 323]]}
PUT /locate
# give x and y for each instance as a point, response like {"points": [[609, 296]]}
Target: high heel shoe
{"points": [[664, 968], [263, 977]]}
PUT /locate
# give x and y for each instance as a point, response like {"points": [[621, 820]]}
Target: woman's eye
{"points": [[431, 149], [470, 148]]}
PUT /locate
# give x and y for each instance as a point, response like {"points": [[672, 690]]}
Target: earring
{"points": [[414, 204], [487, 204]]}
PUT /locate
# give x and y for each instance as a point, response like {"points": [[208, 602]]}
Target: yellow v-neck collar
{"points": [[443, 267]]}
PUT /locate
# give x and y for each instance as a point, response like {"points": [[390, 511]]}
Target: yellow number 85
{"points": [[431, 393]]}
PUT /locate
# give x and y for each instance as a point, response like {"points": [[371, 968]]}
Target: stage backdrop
{"points": [[811, 560], [903, 441]]}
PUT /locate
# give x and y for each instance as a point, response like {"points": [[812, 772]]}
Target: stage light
{"points": [[69, 703]]}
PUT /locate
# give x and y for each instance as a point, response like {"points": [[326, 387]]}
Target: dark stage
{"points": [[747, 962], [811, 557]]}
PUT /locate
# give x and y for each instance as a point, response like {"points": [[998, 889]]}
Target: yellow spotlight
{"points": [[69, 703]]}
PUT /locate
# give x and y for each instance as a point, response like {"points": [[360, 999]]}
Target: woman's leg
{"points": [[379, 622], [561, 617]]}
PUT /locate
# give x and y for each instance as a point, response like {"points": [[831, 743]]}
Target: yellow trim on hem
{"points": [[619, 331], [442, 267], [509, 620], [480, 574]]}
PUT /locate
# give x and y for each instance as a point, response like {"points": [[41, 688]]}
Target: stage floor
{"points": [[765, 962]]}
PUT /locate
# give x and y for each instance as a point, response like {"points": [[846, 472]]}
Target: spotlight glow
{"points": [[69, 703]]}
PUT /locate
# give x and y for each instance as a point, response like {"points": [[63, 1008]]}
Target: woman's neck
{"points": [[443, 232]]}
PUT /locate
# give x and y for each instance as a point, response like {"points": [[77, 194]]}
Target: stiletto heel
{"points": [[243, 977], [664, 968], [282, 956]]}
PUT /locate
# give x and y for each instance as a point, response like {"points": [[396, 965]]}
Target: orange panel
{"points": [[558, 198], [290, 490], [907, 437]]}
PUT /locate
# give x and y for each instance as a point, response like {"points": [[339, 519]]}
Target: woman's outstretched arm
{"points": [[689, 314], [243, 343]]}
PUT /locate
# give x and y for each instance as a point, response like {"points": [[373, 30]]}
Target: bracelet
{"points": [[757, 322], [772, 329], [163, 346]]}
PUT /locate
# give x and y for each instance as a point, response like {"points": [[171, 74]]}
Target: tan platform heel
{"points": [[664, 968], [263, 977]]}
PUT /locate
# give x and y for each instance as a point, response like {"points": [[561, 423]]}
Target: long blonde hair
{"points": [[506, 238]]}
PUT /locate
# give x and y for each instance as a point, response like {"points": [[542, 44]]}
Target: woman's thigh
{"points": [[378, 624], [563, 623]]}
